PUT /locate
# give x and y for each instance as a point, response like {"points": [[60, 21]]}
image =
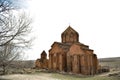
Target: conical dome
{"points": [[70, 35], [43, 55]]}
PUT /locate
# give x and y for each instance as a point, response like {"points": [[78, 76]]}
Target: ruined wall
{"points": [[42, 63]]}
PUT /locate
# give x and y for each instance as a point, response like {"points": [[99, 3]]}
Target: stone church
{"points": [[70, 55]]}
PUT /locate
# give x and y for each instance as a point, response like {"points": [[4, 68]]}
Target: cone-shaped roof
{"points": [[43, 53], [69, 30]]}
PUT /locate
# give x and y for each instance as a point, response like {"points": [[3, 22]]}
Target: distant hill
{"points": [[111, 59], [22, 64], [113, 62]]}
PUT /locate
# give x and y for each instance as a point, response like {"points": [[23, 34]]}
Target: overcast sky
{"points": [[96, 21]]}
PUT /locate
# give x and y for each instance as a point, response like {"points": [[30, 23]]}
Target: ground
{"points": [[58, 76], [32, 74], [39, 76]]}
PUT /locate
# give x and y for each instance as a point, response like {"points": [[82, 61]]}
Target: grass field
{"points": [[54, 76]]}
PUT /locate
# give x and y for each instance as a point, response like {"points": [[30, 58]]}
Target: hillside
{"points": [[113, 62]]}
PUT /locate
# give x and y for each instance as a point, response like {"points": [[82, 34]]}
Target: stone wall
{"points": [[69, 56]]}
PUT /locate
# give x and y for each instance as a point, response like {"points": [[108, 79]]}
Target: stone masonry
{"points": [[42, 63], [70, 55]]}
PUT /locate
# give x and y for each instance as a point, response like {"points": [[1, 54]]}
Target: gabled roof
{"points": [[70, 29], [66, 46], [62, 46], [84, 47]]}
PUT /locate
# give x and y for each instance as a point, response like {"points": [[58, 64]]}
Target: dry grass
{"points": [[113, 63], [40, 75], [32, 74]]}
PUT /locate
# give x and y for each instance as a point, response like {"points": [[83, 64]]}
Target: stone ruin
{"points": [[42, 63]]}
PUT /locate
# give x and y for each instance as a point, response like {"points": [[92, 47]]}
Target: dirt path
{"points": [[55, 76], [41, 76]]}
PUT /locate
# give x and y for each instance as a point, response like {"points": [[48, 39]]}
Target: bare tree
{"points": [[6, 5], [14, 31], [8, 54], [7, 21], [14, 28], [13, 38]]}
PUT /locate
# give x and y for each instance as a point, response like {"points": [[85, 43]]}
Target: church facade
{"points": [[70, 55]]}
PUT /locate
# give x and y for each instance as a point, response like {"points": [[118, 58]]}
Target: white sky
{"points": [[96, 21]]}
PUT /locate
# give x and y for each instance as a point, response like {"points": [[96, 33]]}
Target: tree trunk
{"points": [[4, 69]]}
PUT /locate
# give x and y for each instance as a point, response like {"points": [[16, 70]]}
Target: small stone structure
{"points": [[42, 63], [70, 55]]}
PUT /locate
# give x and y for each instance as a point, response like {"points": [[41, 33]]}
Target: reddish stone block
{"points": [[42, 63], [70, 55]]}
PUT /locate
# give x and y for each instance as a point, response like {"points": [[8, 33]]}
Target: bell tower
{"points": [[43, 55], [70, 36]]}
